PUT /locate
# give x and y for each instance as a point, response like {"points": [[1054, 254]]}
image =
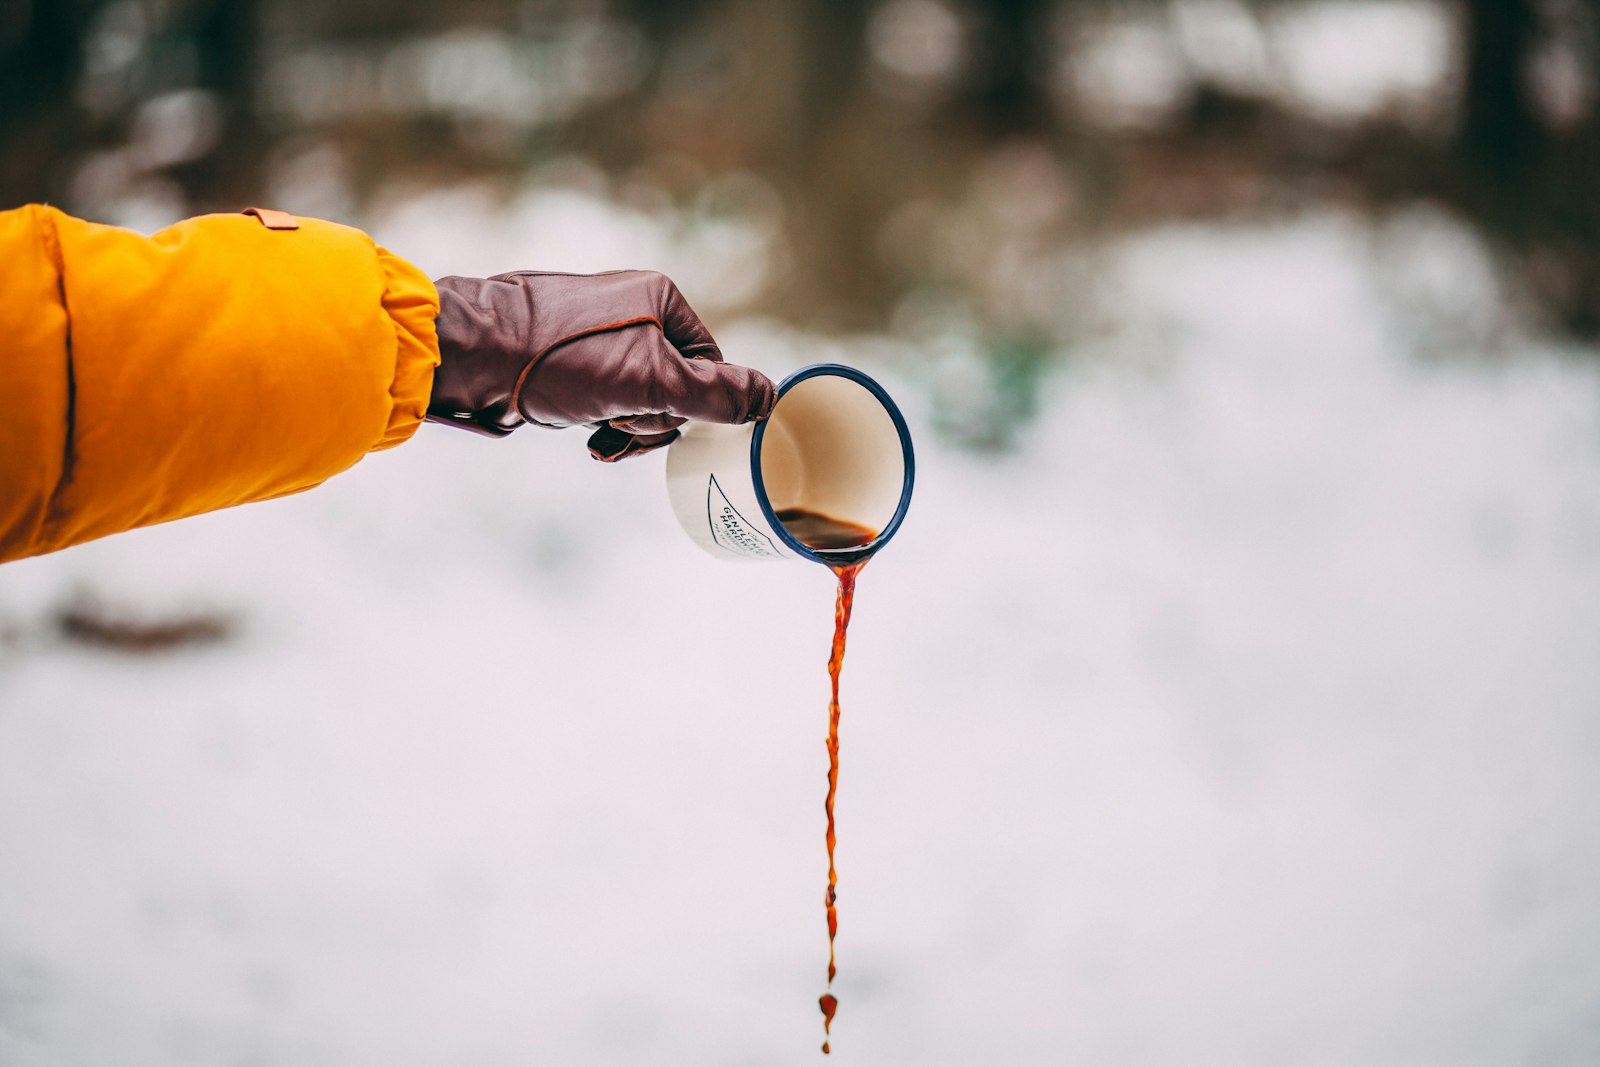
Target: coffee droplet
{"points": [[829, 1005]]}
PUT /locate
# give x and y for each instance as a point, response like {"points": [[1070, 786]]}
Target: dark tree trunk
{"points": [[1500, 134], [225, 33], [41, 57], [1008, 95], [817, 134]]}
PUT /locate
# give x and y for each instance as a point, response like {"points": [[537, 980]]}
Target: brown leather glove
{"points": [[622, 351]]}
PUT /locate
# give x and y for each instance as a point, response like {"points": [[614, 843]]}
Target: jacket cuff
{"points": [[412, 303]]}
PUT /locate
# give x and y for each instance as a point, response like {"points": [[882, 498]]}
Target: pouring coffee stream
{"points": [[826, 534]]}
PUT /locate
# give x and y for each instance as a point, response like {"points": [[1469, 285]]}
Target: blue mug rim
{"points": [[852, 555]]}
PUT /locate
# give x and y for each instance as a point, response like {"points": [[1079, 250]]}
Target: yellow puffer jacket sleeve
{"points": [[144, 379]]}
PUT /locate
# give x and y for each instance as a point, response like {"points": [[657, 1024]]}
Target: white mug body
{"points": [[835, 445]]}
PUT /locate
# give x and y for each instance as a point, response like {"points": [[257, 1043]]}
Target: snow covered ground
{"points": [[1250, 715]]}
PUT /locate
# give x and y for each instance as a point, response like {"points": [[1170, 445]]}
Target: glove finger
{"points": [[609, 444], [683, 327], [648, 424], [716, 392]]}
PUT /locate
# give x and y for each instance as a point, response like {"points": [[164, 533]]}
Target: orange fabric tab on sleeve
{"points": [[273, 220]]}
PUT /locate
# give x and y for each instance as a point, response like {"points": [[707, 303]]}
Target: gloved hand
{"points": [[621, 351]]}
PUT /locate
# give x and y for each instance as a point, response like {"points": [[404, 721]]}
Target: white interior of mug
{"points": [[830, 447]]}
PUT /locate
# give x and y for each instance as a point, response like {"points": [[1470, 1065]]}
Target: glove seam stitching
{"points": [[589, 331]]}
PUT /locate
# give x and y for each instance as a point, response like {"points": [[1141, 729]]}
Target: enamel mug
{"points": [[834, 445]]}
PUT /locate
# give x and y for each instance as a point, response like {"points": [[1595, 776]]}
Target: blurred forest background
{"points": [[906, 158], [1229, 697]]}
